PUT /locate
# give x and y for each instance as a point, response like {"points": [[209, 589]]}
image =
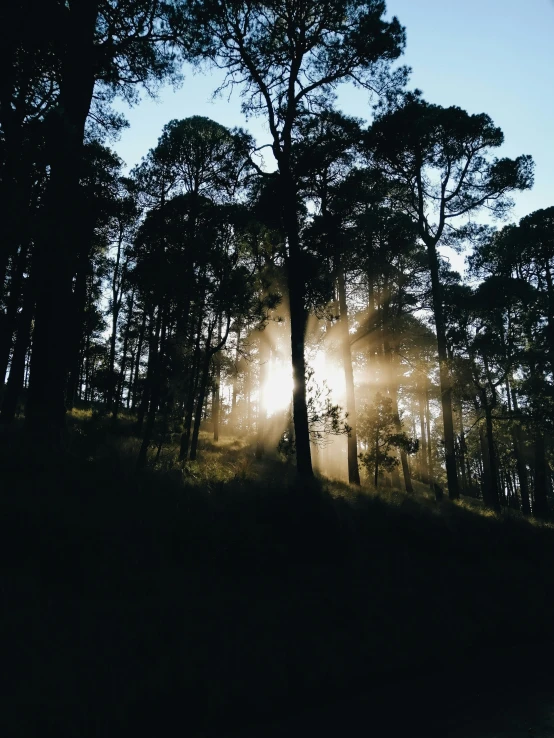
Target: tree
{"points": [[100, 47], [439, 160], [378, 431], [289, 57], [188, 251], [515, 262], [324, 155]]}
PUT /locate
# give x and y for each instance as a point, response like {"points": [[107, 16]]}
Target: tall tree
{"points": [[102, 47], [440, 160], [324, 156], [288, 57]]}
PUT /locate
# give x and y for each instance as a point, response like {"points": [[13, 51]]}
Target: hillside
{"points": [[229, 595]]}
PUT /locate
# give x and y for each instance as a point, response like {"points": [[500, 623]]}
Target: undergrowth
{"points": [[220, 591]]}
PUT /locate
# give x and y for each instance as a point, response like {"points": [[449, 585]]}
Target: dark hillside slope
{"points": [[134, 606]]}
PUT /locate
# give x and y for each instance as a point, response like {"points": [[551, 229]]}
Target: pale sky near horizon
{"points": [[492, 56]]}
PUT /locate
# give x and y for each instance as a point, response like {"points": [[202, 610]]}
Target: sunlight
{"points": [[327, 369], [277, 391]]}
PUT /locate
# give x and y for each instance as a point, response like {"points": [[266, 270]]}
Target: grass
{"points": [[224, 592]]}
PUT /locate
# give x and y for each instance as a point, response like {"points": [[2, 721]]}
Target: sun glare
{"points": [[277, 391], [326, 369]]}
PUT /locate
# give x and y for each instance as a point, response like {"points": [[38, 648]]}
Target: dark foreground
{"points": [[155, 606], [504, 693]]}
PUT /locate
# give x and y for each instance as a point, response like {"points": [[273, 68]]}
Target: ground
{"points": [[226, 594]]}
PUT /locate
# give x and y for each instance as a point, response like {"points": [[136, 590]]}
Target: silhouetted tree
{"points": [[288, 58], [438, 159]]}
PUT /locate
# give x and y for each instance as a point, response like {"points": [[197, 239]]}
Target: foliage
{"points": [[378, 432]]}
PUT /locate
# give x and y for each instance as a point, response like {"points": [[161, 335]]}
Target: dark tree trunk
{"points": [[117, 292], [376, 474], [298, 322], [485, 459], [521, 470], [77, 321], [202, 397], [55, 250], [205, 375], [155, 386], [87, 366], [17, 368], [444, 371], [429, 443], [265, 354], [235, 378], [9, 319], [131, 379], [393, 394], [138, 355], [216, 400], [16, 178], [153, 348], [463, 449], [540, 506], [520, 463], [247, 397], [123, 369], [423, 457], [492, 500], [353, 469], [550, 314], [193, 380], [216, 390]]}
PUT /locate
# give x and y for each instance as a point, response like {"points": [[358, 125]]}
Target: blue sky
{"points": [[492, 56]]}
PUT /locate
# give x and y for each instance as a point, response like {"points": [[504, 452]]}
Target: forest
{"points": [[236, 358]]}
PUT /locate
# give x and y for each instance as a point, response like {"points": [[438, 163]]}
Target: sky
{"points": [[492, 56]]}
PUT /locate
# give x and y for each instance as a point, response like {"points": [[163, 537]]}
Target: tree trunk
{"points": [[265, 355], [520, 463], [216, 391], [193, 380], [87, 366], [153, 346], [423, 459], [540, 506], [235, 379], [55, 250], [485, 458], [550, 314], [138, 355], [376, 475], [123, 369], [131, 379], [117, 291], [9, 319], [393, 394], [200, 401], [397, 423], [492, 500], [463, 449], [17, 368], [298, 322], [429, 443], [77, 320], [216, 401], [444, 372], [155, 386], [353, 469]]}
